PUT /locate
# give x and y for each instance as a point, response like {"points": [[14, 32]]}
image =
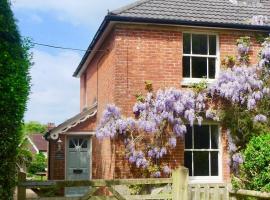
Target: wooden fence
{"points": [[178, 183], [208, 191], [243, 194]]}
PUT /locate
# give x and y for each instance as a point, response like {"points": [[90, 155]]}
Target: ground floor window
{"points": [[202, 151]]}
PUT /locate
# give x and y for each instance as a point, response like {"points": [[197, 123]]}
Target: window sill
{"points": [[190, 81], [205, 179]]}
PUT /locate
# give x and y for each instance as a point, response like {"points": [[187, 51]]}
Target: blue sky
{"points": [[68, 23]]}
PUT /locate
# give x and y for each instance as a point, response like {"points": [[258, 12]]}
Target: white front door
{"points": [[77, 163]]}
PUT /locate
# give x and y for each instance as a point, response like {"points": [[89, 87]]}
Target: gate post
{"points": [[180, 184], [21, 190]]}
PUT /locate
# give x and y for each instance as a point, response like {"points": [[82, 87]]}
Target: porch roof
{"points": [[72, 122]]}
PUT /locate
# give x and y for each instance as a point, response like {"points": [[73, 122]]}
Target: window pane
{"points": [[188, 161], [186, 43], [199, 67], [188, 138], [186, 66], [71, 144], [201, 137], [84, 144], [199, 44], [201, 163], [214, 163], [212, 67], [214, 137], [212, 45]]}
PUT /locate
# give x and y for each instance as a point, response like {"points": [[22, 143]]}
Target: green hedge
{"points": [[14, 90], [256, 168]]}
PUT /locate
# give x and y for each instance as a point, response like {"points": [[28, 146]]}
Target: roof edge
{"points": [[114, 18], [127, 7], [71, 122]]}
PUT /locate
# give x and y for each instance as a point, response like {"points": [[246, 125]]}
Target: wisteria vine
{"points": [[161, 117]]}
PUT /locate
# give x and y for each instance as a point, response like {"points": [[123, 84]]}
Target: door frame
{"points": [[88, 135]]}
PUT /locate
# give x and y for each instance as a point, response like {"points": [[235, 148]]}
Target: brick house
{"points": [[172, 43]]}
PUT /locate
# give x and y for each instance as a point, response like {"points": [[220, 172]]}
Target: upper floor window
{"points": [[202, 152], [199, 56]]}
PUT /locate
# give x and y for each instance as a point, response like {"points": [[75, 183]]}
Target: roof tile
{"points": [[213, 11]]}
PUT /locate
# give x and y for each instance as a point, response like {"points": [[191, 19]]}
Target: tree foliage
{"points": [[38, 164], [34, 127], [255, 171], [14, 87]]}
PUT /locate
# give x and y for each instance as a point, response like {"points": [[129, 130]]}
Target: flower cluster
{"points": [[163, 115], [265, 54], [259, 20], [237, 159], [240, 85]]}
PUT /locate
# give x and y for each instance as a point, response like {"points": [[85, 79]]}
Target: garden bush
{"points": [[256, 168], [38, 165]]}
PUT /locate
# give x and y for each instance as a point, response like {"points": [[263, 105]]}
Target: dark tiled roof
{"points": [[39, 142], [209, 13], [213, 11]]}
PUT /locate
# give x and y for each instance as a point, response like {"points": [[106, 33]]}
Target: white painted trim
{"points": [[190, 81], [80, 133], [210, 179], [33, 144], [90, 156]]}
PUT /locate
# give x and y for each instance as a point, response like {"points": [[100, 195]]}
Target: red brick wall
{"points": [[136, 53], [154, 53], [56, 165]]}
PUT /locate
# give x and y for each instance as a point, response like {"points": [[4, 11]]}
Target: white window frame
{"points": [[189, 81], [208, 179]]}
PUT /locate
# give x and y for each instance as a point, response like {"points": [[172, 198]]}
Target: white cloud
{"points": [[78, 12], [55, 93]]}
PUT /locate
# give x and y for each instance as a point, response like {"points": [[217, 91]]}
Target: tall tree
{"points": [[14, 90]]}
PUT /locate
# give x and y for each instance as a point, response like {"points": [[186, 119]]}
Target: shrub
{"points": [[38, 165], [14, 87], [256, 168]]}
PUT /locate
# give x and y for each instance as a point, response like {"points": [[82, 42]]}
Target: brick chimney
{"points": [[50, 126]]}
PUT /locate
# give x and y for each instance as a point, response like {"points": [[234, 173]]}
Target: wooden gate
{"points": [[177, 183]]}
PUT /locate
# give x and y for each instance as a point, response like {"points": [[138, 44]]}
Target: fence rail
{"points": [[179, 187], [248, 193], [214, 191]]}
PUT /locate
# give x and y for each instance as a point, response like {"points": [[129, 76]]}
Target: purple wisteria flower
{"points": [[231, 145], [172, 142], [167, 170], [156, 174], [242, 49], [237, 159], [260, 118], [259, 20], [179, 129]]}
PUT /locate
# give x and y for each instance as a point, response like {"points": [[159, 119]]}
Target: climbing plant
{"points": [[238, 99], [14, 87]]}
